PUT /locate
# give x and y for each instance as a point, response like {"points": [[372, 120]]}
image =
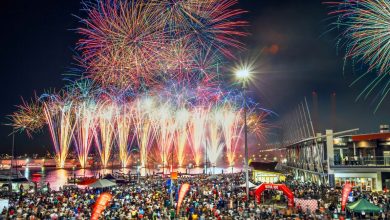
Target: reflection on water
{"points": [[59, 177]]}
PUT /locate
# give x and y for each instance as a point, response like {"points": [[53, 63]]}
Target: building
{"points": [[334, 158], [266, 172]]}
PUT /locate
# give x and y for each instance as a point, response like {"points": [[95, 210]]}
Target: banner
{"points": [[100, 204], [182, 193], [346, 190]]}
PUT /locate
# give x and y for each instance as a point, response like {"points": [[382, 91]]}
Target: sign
{"points": [[182, 193], [310, 204], [346, 190], [100, 204], [280, 187]]}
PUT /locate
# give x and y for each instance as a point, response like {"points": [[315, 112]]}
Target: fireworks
{"points": [[181, 136], [133, 44], [165, 126], [142, 121], [196, 130], [365, 31], [84, 128], [123, 123], [61, 123], [232, 126], [104, 132], [29, 117], [121, 41], [151, 82], [214, 142]]}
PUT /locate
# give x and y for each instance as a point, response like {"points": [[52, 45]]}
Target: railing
{"points": [[314, 167], [364, 161]]}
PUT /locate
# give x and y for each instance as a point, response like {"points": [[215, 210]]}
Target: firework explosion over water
{"points": [[151, 84]]}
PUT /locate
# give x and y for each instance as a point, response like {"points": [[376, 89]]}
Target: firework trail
{"points": [[365, 32], [123, 128], [197, 126], [181, 134], [105, 132], [232, 126], [143, 124], [165, 127], [61, 123], [84, 130], [214, 145]]}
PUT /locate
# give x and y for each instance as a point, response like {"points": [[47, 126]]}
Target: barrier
{"points": [[281, 187]]}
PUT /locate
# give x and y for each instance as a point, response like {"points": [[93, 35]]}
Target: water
{"points": [[59, 177]]}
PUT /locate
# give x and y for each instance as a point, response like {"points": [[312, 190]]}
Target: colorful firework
{"points": [[153, 69], [165, 126], [84, 130], [197, 131], [61, 123], [124, 140], [365, 31], [121, 41], [29, 117], [232, 126], [181, 134], [133, 44], [142, 121], [105, 132], [214, 146]]}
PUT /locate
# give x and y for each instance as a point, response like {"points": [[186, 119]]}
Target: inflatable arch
{"points": [[280, 187]]}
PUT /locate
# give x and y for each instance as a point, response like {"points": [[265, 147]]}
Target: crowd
{"points": [[210, 197]]}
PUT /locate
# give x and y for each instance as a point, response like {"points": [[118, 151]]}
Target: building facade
{"points": [[335, 158]]}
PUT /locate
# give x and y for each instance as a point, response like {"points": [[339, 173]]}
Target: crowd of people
{"points": [[209, 197]]}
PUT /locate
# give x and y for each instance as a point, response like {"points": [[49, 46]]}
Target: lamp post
{"points": [[243, 75]]}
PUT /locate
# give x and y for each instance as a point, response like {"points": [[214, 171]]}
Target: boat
{"points": [[115, 179], [32, 165], [81, 180], [15, 178]]}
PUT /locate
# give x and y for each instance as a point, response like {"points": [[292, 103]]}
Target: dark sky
{"points": [[297, 56]]}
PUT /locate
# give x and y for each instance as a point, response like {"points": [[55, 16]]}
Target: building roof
{"points": [[369, 137], [264, 166]]}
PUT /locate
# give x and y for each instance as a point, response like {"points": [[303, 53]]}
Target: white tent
{"points": [[102, 183], [251, 185]]}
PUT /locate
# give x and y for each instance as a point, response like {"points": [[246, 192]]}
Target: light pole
{"points": [[243, 75]]}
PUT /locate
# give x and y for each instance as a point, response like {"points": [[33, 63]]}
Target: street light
{"points": [[243, 74]]}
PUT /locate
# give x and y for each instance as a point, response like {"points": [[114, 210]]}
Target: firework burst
{"points": [[365, 29], [29, 117]]}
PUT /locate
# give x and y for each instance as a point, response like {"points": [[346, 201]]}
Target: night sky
{"points": [[295, 56]]}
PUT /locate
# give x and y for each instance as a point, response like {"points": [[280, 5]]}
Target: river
{"points": [[59, 177]]}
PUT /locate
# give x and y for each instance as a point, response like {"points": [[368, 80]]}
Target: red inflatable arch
{"points": [[280, 187]]}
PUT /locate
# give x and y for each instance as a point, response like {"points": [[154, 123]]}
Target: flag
{"points": [[346, 190], [100, 204], [182, 193]]}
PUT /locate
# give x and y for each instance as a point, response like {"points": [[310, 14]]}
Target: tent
{"points": [[363, 205], [109, 177], [251, 185], [102, 183]]}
